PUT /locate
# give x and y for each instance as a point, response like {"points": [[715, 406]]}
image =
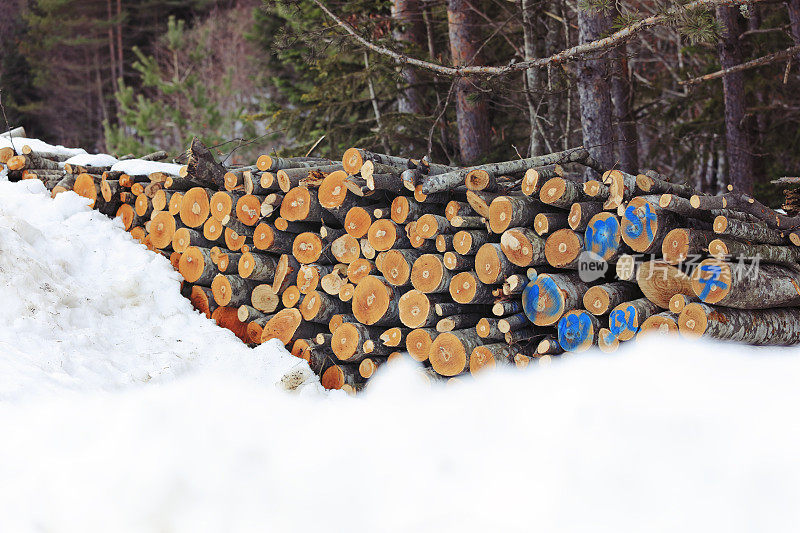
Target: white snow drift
{"points": [[123, 410]]}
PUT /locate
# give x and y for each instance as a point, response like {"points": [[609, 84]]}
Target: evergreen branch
{"points": [[764, 60], [571, 53]]}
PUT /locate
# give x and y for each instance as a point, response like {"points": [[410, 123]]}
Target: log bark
{"points": [[757, 286], [512, 211], [203, 167], [581, 212], [601, 299], [466, 288], [523, 247], [729, 249], [776, 327], [748, 231], [375, 302], [545, 223]]}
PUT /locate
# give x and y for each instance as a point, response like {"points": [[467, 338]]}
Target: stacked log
{"points": [[355, 263]]}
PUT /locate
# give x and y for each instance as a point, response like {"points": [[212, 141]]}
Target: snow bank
{"points": [[123, 410], [92, 160], [138, 167], [39, 146], [87, 308]]}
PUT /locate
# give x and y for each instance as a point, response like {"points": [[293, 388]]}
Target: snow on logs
{"points": [[355, 263]]}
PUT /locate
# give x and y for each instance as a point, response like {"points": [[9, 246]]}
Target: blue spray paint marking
{"points": [[599, 236], [638, 225], [541, 288], [712, 281], [622, 320], [573, 330]]}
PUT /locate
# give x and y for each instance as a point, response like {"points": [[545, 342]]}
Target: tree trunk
{"points": [[471, 112], [530, 25], [622, 98], [739, 151], [409, 30], [594, 91]]}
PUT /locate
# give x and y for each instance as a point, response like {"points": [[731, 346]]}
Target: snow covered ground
{"points": [[123, 410]]}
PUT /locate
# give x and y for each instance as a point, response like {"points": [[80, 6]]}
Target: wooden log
{"points": [[203, 167], [446, 181], [488, 357], [454, 208], [429, 226], [621, 187], [367, 250], [775, 327], [195, 207], [335, 282], [659, 281], [258, 267], [756, 286], [175, 203], [227, 318], [535, 177], [222, 203], [748, 231], [196, 266], [645, 224], [344, 377], [396, 266], [466, 288], [268, 239], [663, 323], [354, 158], [491, 264], [287, 325], [729, 249], [450, 352], [309, 276], [320, 307], [162, 229], [444, 243], [419, 342], [523, 247], [394, 337], [264, 298], [545, 223], [273, 163], [375, 302], [286, 272], [111, 189], [513, 322], [232, 290], [603, 236], [601, 299], [461, 321], [547, 298], [455, 262], [486, 327], [346, 249], [309, 248], [481, 201], [506, 307], [178, 184], [369, 366], [512, 211], [282, 224], [468, 242], [183, 238], [563, 248], [202, 299], [679, 301], [429, 274], [359, 269], [290, 178], [417, 310], [560, 192], [515, 284], [333, 195], [578, 331], [581, 213], [31, 161], [649, 184], [141, 205], [291, 296], [682, 243], [301, 203], [625, 319], [384, 234]]}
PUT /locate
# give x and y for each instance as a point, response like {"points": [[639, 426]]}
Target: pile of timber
{"points": [[357, 262]]}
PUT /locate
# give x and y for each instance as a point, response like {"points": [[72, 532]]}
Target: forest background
{"points": [[707, 91]]}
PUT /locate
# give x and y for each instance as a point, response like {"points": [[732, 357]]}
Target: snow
{"points": [[87, 308], [92, 160], [38, 146], [124, 410], [138, 167]]}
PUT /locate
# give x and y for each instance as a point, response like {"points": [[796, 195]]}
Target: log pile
{"points": [[356, 262]]}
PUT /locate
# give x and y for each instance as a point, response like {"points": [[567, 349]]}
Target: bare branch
{"points": [[569, 54], [765, 60]]}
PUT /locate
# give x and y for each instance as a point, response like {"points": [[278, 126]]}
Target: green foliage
{"points": [[175, 101]]}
